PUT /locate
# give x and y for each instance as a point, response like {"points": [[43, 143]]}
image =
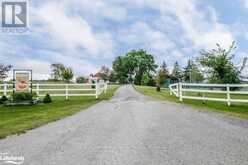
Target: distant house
{"points": [[95, 77]]}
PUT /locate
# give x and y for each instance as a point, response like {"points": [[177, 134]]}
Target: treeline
{"points": [[139, 67], [212, 66], [61, 73]]}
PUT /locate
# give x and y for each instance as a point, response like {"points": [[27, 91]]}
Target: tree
{"points": [[141, 63], [57, 70], [112, 76], [147, 80], [162, 74], [81, 79], [120, 70], [67, 74], [4, 69], [192, 74], [177, 72], [133, 66], [218, 63]]}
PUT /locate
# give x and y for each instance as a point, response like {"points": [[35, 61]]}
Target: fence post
{"points": [[37, 89], [180, 92], [5, 89], [177, 88], [105, 87], [97, 88], [66, 92], [170, 87], [203, 96], [228, 95]]}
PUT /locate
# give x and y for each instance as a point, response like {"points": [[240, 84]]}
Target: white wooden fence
{"points": [[199, 91], [64, 90]]}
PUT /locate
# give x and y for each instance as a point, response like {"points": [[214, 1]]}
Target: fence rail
{"points": [[199, 92], [59, 90]]}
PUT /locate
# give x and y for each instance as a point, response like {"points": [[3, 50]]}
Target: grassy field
{"points": [[18, 119], [237, 110]]}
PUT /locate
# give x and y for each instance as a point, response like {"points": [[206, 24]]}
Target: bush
{"points": [[3, 99], [147, 80], [34, 95], [47, 99], [81, 80], [22, 96]]}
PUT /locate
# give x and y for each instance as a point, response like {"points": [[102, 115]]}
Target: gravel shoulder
{"points": [[134, 129]]}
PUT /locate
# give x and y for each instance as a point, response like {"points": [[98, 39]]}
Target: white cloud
{"points": [[41, 69], [201, 27], [99, 9], [245, 3], [202, 32], [58, 36], [80, 66], [140, 34], [71, 32]]}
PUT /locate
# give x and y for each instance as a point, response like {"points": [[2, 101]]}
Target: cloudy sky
{"points": [[85, 34]]}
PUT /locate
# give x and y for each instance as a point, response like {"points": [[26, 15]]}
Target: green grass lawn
{"points": [[18, 119], [237, 109]]}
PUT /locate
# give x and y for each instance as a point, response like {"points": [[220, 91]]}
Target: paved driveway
{"points": [[132, 129]]}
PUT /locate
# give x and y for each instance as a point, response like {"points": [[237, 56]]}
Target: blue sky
{"points": [[86, 34]]}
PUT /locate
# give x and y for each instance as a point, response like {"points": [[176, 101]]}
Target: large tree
{"points": [[67, 74], [120, 71], [192, 74], [218, 63], [133, 66], [4, 69], [177, 72], [57, 70], [113, 76], [142, 63]]}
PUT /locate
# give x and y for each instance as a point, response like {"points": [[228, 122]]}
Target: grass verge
{"points": [[18, 119], [237, 110]]}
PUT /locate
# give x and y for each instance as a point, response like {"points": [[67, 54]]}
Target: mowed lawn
{"points": [[18, 119], [236, 109]]}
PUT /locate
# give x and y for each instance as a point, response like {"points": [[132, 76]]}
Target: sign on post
{"points": [[22, 80]]}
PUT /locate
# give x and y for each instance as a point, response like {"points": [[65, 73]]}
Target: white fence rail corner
{"points": [[61, 90], [180, 90]]}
